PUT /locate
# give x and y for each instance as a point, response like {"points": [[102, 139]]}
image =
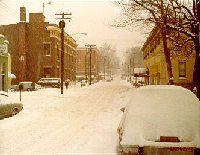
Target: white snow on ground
{"points": [[156, 111], [83, 120]]}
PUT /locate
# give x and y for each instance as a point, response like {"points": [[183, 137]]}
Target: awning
{"points": [[11, 76], [141, 72]]}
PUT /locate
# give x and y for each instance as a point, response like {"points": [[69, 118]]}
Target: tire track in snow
{"points": [[61, 134]]}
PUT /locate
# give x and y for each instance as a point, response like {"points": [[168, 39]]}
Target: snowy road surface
{"points": [[81, 121]]}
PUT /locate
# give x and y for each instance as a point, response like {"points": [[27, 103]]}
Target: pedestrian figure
{"points": [[66, 83]]}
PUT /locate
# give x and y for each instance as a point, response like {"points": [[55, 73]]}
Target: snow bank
{"points": [[156, 111]]}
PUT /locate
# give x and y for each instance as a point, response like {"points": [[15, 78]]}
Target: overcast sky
{"points": [[90, 16]]}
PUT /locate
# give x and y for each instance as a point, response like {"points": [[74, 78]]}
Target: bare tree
{"points": [[180, 45], [169, 16], [136, 56], [187, 22], [109, 57], [150, 12]]}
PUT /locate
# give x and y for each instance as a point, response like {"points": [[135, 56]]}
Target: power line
{"points": [[8, 10]]}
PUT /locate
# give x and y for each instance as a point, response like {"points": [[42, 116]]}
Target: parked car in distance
{"points": [[26, 86], [14, 88], [123, 77], [49, 82], [8, 108], [83, 82], [108, 79], [160, 120]]}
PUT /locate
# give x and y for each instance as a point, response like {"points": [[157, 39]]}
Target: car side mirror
{"points": [[122, 109]]}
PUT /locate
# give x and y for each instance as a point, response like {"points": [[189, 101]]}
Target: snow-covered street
{"points": [[81, 121]]}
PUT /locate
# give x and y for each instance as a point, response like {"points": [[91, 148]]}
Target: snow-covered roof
{"points": [[155, 111], [140, 70]]}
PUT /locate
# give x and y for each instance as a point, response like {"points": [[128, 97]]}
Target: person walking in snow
{"points": [[66, 83]]}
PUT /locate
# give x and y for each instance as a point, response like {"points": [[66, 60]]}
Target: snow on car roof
{"points": [[156, 111], [26, 82], [140, 70]]}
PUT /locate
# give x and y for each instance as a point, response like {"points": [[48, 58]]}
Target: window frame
{"points": [[45, 53], [182, 70]]}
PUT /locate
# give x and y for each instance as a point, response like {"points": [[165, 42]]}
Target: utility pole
{"points": [[127, 72], [130, 70], [108, 70], [104, 67], [62, 26], [86, 79], [90, 47], [131, 66]]}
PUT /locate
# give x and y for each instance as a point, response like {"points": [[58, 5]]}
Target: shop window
{"points": [[182, 69]]}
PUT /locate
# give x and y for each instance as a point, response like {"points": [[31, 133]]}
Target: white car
{"points": [[8, 107], [160, 120]]}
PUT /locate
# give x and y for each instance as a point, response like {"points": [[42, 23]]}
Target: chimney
{"points": [[22, 14]]}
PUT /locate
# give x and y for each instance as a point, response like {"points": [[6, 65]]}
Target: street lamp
{"points": [[83, 33], [79, 33]]}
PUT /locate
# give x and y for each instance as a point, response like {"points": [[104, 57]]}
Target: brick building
{"points": [[83, 63], [52, 51], [35, 48]]}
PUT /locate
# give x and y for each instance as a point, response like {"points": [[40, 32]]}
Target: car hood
{"points": [[4, 99]]}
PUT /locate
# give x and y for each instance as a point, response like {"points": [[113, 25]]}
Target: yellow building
{"points": [[154, 60]]}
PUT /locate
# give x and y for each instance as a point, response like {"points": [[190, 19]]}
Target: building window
{"points": [[47, 49], [58, 72], [58, 52], [182, 69]]}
